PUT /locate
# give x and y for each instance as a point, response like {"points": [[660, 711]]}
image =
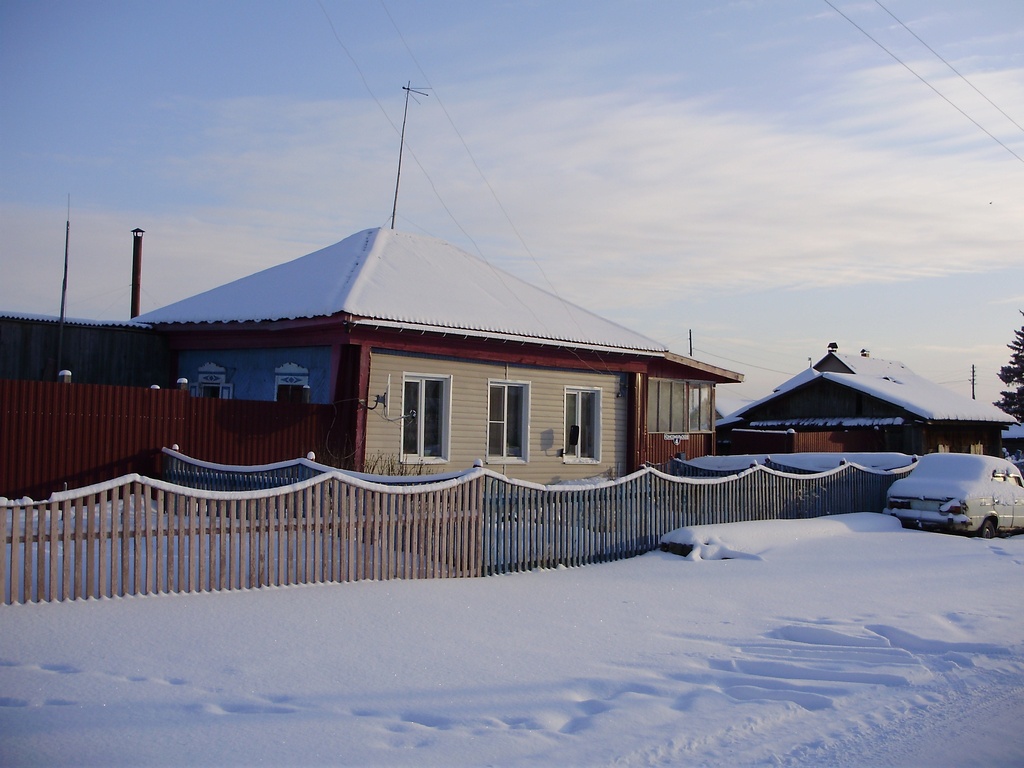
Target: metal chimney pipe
{"points": [[136, 271]]}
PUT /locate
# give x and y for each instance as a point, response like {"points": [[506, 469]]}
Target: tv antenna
{"points": [[408, 90]]}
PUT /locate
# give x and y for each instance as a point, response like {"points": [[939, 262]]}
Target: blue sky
{"points": [[762, 173]]}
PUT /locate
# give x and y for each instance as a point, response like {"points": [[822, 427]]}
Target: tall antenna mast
{"points": [[401, 146], [63, 291]]}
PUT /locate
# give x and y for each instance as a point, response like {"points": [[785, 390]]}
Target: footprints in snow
{"points": [[1003, 552], [67, 670], [812, 666], [569, 715]]}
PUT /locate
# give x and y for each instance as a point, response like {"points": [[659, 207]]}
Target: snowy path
{"points": [[843, 642]]}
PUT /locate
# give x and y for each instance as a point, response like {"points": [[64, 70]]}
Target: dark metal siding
{"points": [[56, 436]]}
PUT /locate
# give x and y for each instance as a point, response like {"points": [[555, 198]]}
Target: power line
{"points": [[433, 186], [954, 69], [387, 117], [494, 196], [919, 77], [472, 158], [741, 362]]}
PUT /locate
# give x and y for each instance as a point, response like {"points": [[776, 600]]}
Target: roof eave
{"points": [[505, 337], [732, 377]]}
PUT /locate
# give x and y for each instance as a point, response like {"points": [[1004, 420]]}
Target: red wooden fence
{"points": [[55, 436], [660, 450]]}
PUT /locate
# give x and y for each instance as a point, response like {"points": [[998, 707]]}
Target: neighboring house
{"points": [[1013, 441], [859, 403], [435, 359]]}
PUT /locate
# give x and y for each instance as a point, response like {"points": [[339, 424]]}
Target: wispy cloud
{"points": [[683, 200], [653, 200]]}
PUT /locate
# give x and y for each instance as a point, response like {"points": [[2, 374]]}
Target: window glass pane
{"points": [[497, 403], [433, 413], [514, 421], [695, 407], [678, 421], [570, 421], [665, 402], [410, 427], [495, 439], [652, 405], [588, 409], [290, 393], [706, 416], [495, 420]]}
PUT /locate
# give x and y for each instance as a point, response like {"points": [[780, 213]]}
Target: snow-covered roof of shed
{"points": [[864, 365], [890, 381], [397, 277], [55, 319], [904, 388]]}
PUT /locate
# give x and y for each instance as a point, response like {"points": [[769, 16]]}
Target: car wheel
{"points": [[987, 530]]}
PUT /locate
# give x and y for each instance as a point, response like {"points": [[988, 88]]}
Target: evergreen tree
{"points": [[1012, 375]]}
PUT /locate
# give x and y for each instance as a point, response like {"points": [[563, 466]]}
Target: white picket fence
{"points": [[135, 535]]}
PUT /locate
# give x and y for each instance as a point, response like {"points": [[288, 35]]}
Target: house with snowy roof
{"points": [[435, 359], [860, 403]]}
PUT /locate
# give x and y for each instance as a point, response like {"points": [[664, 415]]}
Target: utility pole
{"points": [[401, 146], [63, 291], [974, 380]]}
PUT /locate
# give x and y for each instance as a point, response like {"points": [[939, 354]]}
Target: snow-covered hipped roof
{"points": [[886, 380], [396, 278]]}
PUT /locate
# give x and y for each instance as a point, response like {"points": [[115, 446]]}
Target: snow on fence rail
{"points": [[207, 476], [135, 535]]}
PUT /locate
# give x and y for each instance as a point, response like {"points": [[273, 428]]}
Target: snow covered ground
{"points": [[840, 641]]}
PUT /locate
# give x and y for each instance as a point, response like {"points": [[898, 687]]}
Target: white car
{"points": [[963, 493]]}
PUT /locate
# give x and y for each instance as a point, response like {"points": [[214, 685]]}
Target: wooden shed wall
{"points": [[822, 400], [914, 439], [135, 357]]}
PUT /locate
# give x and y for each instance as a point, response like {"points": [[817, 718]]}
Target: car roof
{"points": [[963, 465]]}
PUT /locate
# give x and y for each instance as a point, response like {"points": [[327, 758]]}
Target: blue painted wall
{"points": [[251, 371]]}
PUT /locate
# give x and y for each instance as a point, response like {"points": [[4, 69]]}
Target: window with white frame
{"points": [[700, 407], [425, 418], [582, 425], [291, 383], [508, 407], [678, 406], [212, 382]]}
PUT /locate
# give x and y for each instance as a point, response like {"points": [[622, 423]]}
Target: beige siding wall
{"points": [[468, 416]]}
